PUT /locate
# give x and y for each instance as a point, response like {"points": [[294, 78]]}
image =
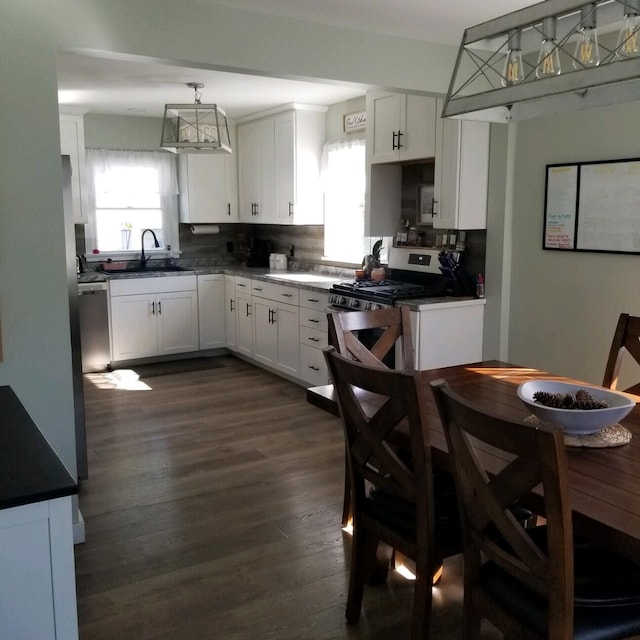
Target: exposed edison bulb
{"points": [[549, 56], [513, 72], [629, 36], [587, 53]]}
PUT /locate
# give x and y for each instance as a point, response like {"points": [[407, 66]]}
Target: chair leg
{"points": [[363, 551], [347, 515], [421, 605]]}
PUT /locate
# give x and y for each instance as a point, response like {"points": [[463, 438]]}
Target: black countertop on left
{"points": [[30, 470]]}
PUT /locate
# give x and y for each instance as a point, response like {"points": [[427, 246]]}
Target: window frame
{"points": [[168, 206]]}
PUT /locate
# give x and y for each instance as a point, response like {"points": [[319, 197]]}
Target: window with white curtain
{"points": [[130, 191], [344, 181]]}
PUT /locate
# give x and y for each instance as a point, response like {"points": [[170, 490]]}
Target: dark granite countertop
{"points": [[30, 471], [324, 282]]}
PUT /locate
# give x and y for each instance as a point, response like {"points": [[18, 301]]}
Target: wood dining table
{"points": [[604, 482]]}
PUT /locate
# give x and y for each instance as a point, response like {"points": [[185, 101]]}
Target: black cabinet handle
{"points": [[160, 308], [248, 309], [291, 208], [228, 208], [400, 134], [231, 308], [153, 308]]}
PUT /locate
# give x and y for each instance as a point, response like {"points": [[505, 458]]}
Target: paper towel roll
{"points": [[205, 228]]}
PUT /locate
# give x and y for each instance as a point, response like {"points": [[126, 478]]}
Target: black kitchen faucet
{"points": [[143, 258]]}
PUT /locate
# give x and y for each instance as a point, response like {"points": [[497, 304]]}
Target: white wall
{"points": [[565, 305], [33, 267]]}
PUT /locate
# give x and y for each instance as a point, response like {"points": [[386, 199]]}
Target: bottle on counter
{"points": [[480, 286]]}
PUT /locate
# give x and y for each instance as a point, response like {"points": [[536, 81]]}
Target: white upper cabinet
{"points": [[208, 185], [461, 174], [72, 145], [299, 136], [256, 171], [279, 162], [400, 127]]}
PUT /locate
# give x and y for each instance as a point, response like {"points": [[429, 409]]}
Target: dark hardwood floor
{"points": [[213, 511]]}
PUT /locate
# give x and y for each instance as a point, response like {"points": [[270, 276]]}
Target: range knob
{"points": [[354, 303], [341, 300]]}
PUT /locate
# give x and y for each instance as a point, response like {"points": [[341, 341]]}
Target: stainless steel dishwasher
{"points": [[94, 326]]}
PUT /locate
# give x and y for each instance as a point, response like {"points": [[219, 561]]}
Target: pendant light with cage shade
{"points": [[195, 128]]}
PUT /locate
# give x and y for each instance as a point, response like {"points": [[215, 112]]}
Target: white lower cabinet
{"points": [[153, 316], [447, 334], [313, 337], [211, 311], [244, 317], [275, 326], [230, 313], [38, 590]]}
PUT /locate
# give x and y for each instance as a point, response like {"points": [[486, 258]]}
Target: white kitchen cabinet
{"points": [[72, 145], [256, 171], [244, 317], [400, 127], [230, 312], [279, 164], [153, 316], [211, 311], [37, 588], [447, 333], [313, 337], [299, 136], [208, 186], [461, 174], [276, 326]]}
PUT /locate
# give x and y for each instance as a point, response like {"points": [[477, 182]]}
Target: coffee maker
{"points": [[258, 252]]}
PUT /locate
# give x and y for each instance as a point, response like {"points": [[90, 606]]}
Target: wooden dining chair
{"points": [[370, 337], [382, 328], [626, 340], [393, 493], [530, 583]]}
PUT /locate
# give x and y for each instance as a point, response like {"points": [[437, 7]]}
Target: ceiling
{"points": [[120, 87]]}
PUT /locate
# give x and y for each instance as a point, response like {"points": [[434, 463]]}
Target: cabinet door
{"points": [[461, 174], [72, 145], [285, 163], [177, 320], [256, 171], [212, 311], [288, 341], [266, 172], [265, 337], [248, 167], [244, 325], [231, 312], [418, 138], [133, 327], [383, 116], [204, 188]]}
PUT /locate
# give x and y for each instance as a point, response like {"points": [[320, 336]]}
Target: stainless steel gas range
{"points": [[413, 272]]}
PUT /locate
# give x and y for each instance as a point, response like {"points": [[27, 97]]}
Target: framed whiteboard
{"points": [[593, 206]]}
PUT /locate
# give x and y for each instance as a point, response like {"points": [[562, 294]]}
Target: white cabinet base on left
{"points": [[37, 575]]}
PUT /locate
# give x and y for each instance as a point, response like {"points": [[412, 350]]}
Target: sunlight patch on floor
{"points": [[122, 379]]}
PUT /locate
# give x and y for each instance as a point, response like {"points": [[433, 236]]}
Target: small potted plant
{"points": [[371, 262]]}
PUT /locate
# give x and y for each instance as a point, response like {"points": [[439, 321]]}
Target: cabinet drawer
{"points": [[313, 368], [243, 285], [313, 319], [314, 300], [313, 337], [275, 292]]}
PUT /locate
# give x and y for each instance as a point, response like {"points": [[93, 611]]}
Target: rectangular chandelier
{"points": [[550, 57], [196, 127]]}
